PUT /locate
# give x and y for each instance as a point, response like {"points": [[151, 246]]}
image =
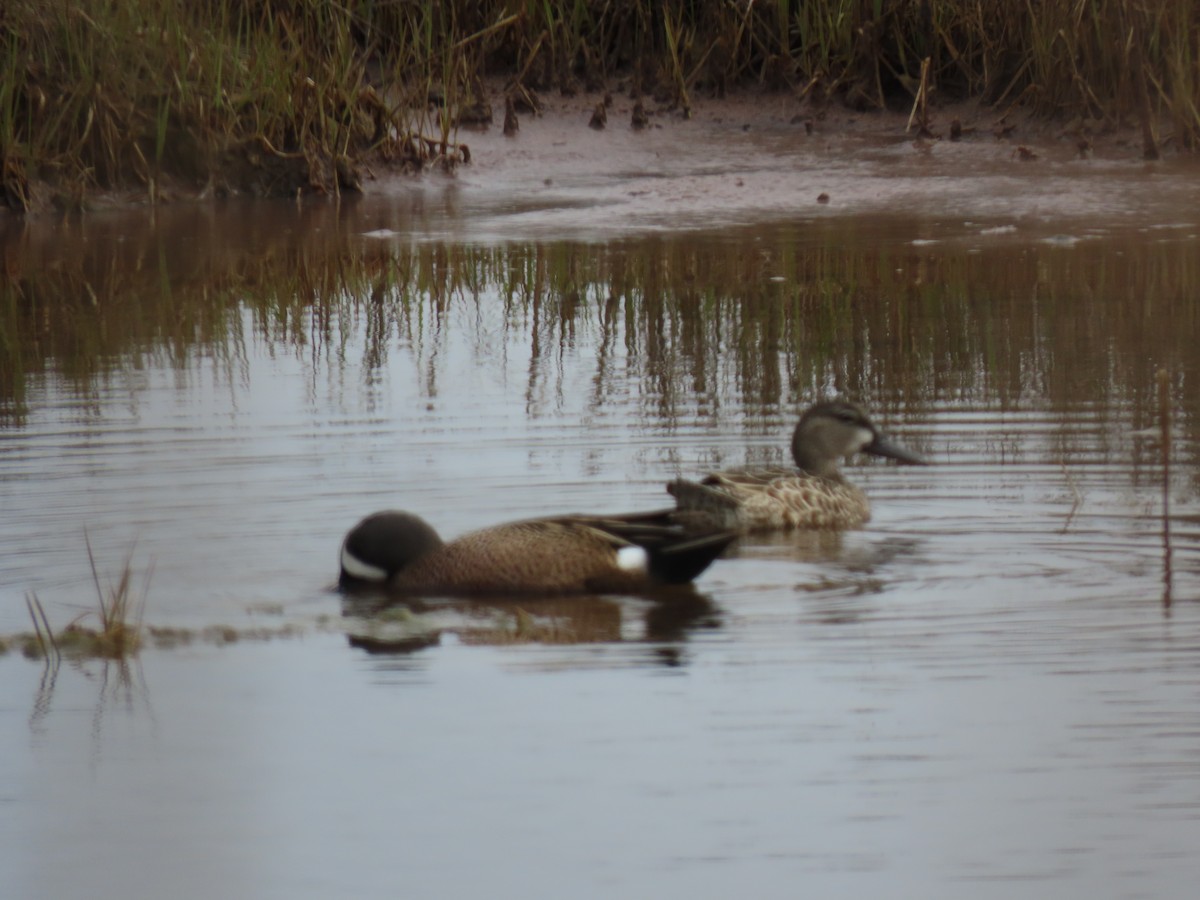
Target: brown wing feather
{"points": [[775, 499], [542, 555]]}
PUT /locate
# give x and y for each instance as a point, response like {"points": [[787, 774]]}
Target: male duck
{"points": [[815, 497], [568, 554]]}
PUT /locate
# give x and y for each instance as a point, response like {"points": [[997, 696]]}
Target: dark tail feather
{"points": [[681, 544], [682, 561], [650, 529]]}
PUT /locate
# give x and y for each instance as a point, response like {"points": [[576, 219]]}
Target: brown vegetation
{"points": [[118, 617], [276, 97]]}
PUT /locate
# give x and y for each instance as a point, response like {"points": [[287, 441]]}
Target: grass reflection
{"points": [[761, 320]]}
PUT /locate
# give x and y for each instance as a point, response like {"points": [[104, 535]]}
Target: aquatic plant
{"points": [[118, 615], [42, 632]]}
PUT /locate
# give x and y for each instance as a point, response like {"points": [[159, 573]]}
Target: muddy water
{"points": [[991, 688]]}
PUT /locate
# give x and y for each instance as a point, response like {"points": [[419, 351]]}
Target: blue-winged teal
{"points": [[814, 497], [568, 554]]}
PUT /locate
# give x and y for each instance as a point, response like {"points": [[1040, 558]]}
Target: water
{"points": [[991, 688]]}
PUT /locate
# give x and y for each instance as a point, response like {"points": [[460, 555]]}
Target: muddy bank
{"points": [[767, 157], [764, 155]]}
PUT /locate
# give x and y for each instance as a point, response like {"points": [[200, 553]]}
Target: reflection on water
{"points": [[980, 688], [700, 321], [380, 624], [119, 686]]}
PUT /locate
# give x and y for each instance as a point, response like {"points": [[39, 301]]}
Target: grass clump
{"points": [[262, 97], [117, 632]]}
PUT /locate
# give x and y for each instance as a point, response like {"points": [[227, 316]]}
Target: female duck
{"points": [[814, 495], [568, 554]]}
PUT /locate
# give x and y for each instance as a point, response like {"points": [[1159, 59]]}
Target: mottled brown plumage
{"points": [[568, 554], [813, 496]]}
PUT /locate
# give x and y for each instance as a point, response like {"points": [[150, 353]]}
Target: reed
{"points": [[43, 634], [118, 617], [280, 96], [695, 315]]}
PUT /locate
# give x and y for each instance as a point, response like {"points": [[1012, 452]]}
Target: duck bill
{"points": [[881, 446]]}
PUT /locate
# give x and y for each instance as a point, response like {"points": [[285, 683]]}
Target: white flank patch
{"points": [[356, 568], [633, 559]]}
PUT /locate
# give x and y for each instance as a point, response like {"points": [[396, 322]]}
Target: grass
{"points": [[261, 97], [114, 629], [118, 620], [277, 97]]}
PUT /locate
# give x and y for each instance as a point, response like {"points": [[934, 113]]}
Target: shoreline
{"points": [[566, 122]]}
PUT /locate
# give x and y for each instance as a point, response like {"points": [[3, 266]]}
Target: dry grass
{"points": [[285, 96], [118, 616], [228, 96], [42, 632]]}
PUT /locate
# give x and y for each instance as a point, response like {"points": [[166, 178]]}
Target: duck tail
{"points": [[678, 562], [678, 545]]}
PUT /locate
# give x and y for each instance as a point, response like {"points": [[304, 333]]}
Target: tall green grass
{"points": [[279, 96]]}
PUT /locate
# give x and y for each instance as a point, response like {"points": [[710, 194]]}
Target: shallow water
{"points": [[989, 689]]}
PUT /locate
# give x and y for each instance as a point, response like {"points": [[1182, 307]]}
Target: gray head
{"points": [[834, 429], [384, 543]]}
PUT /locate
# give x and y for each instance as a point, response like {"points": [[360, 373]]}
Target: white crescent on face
{"points": [[356, 568]]}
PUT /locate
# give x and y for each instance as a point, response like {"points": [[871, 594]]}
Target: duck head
{"points": [[832, 430]]}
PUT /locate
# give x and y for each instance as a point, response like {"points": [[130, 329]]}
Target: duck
{"points": [[812, 496], [572, 554]]}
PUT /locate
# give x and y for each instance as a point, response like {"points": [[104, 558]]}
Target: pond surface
{"points": [[990, 689]]}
